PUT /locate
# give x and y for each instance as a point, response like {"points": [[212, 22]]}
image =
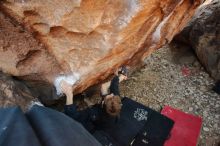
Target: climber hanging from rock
{"points": [[110, 90], [110, 106]]}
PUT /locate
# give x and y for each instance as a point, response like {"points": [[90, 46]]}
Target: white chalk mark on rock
{"points": [[70, 79]]}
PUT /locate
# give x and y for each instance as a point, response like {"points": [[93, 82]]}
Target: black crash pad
{"points": [[138, 125]]}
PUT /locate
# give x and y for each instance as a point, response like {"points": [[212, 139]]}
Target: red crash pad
{"points": [[186, 129]]}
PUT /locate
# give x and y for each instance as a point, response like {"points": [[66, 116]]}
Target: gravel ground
{"points": [[162, 82]]}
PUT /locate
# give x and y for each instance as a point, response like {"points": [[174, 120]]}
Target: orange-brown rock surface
{"points": [[86, 39]]}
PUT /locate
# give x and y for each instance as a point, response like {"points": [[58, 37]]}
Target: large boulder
{"points": [[203, 35], [84, 41]]}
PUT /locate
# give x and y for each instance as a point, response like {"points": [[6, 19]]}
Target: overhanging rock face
{"points": [[87, 40]]}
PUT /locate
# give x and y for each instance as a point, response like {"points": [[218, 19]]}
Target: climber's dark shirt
{"points": [[114, 86]]}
